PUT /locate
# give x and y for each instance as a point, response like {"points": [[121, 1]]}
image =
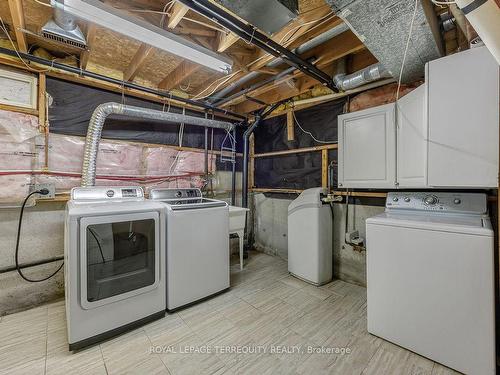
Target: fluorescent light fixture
{"points": [[111, 18]]}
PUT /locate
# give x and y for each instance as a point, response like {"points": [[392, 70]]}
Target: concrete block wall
{"points": [[270, 234]]}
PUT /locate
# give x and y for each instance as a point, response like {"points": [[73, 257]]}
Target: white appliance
{"points": [[310, 237], [197, 245], [114, 262], [237, 222], [430, 278], [463, 118], [443, 134]]}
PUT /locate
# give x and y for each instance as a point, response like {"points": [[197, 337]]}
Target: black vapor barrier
{"points": [[301, 170], [71, 106]]}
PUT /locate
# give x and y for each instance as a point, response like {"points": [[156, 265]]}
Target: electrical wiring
{"points": [[437, 2], [18, 267], [329, 15], [42, 3], [4, 29], [410, 32], [308, 132], [224, 80]]}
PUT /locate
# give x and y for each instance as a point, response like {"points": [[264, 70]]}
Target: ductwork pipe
{"points": [[104, 110], [218, 98], [64, 20], [348, 82]]}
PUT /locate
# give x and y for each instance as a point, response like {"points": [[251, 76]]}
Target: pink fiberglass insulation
{"points": [[22, 148], [14, 188], [113, 158], [17, 156], [158, 160], [119, 159], [17, 127]]}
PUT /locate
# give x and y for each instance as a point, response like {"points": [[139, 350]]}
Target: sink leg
{"points": [[241, 237]]}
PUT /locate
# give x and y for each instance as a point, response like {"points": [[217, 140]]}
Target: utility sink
{"points": [[237, 219]]}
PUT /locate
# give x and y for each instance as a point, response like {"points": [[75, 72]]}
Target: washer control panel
{"points": [[437, 201], [174, 193]]}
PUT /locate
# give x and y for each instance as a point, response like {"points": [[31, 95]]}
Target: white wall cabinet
{"points": [[411, 137], [444, 134], [367, 148], [384, 147], [463, 100]]}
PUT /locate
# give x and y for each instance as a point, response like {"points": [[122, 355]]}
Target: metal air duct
{"points": [[104, 110], [63, 29], [383, 27], [371, 73]]}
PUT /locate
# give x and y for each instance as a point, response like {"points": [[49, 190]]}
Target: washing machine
{"points": [[114, 262], [430, 278], [197, 245]]}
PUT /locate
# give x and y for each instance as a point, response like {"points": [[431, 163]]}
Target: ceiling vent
{"points": [[267, 15], [63, 29]]}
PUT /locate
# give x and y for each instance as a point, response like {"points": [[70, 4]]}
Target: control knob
{"points": [[457, 201], [430, 200], [178, 194], [407, 199]]}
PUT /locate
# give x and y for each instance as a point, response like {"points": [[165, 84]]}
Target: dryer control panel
{"points": [[106, 193], [465, 203]]}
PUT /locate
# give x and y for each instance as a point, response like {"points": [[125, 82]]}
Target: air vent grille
{"points": [[60, 39]]}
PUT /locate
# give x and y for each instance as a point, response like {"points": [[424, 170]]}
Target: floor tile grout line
{"points": [[151, 342], [103, 360]]}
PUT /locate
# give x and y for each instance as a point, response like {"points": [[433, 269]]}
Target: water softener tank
{"points": [[310, 237]]}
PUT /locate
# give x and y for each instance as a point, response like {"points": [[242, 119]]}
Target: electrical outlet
{"points": [[350, 237], [50, 187]]}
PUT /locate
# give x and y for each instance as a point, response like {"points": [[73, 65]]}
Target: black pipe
{"points": [[206, 156], [31, 264], [251, 35], [244, 181], [233, 176], [130, 85]]}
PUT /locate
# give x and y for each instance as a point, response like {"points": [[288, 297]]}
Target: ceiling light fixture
{"points": [[106, 16]]}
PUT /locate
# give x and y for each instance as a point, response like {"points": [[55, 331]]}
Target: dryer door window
{"points": [[119, 257]]}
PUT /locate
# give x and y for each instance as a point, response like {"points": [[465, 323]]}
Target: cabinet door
{"points": [[463, 97], [367, 148], [412, 139]]}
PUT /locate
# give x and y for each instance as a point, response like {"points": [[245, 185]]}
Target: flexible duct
{"points": [[218, 98], [104, 110], [348, 82]]}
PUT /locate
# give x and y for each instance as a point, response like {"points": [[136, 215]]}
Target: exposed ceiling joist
{"points": [[260, 40], [226, 40], [179, 10], [85, 55], [293, 34], [197, 31], [137, 62], [297, 83], [17, 14], [179, 74]]}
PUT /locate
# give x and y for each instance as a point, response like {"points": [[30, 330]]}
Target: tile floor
{"points": [[265, 312]]}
